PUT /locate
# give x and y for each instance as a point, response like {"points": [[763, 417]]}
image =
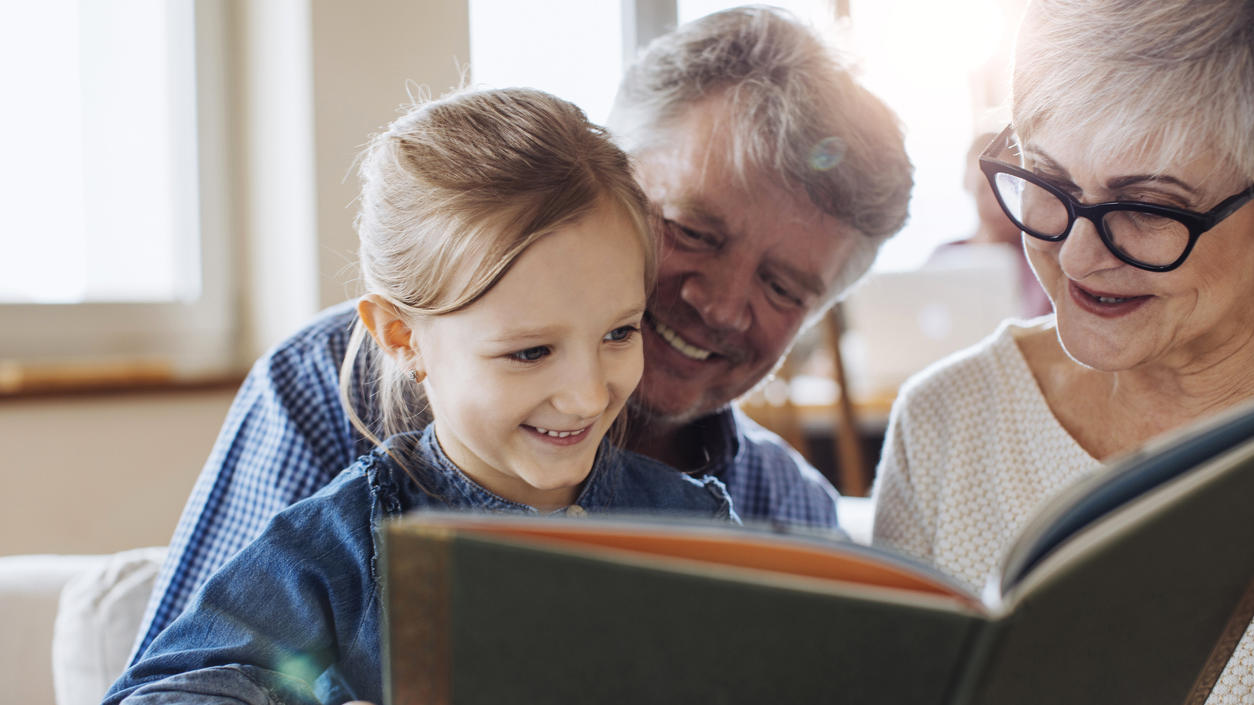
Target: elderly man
{"points": [[776, 178]]}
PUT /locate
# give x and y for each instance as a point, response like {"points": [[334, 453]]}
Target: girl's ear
{"points": [[390, 332]]}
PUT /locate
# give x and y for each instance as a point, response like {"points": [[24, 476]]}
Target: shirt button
{"points": [[575, 510]]}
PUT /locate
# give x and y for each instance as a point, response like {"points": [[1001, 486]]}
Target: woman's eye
{"points": [[622, 334], [529, 354]]}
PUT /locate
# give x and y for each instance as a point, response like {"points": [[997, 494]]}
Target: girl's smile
{"points": [[561, 438]]}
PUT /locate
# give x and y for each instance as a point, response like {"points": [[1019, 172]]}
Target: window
{"points": [[112, 211], [573, 51], [939, 66]]}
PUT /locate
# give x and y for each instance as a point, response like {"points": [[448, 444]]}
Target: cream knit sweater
{"points": [[972, 451]]}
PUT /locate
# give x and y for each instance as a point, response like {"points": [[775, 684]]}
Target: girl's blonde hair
{"points": [[453, 192]]}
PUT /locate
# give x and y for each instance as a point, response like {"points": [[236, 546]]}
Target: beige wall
{"points": [[323, 75], [99, 474]]}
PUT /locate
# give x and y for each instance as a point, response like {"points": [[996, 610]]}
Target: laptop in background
{"points": [[899, 322]]}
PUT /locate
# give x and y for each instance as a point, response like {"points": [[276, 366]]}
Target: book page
{"points": [[775, 553]]}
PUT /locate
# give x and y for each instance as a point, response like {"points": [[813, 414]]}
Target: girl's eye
{"points": [[529, 354], [621, 334]]}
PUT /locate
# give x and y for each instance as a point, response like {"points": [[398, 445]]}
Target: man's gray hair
{"points": [[1172, 78], [794, 112]]}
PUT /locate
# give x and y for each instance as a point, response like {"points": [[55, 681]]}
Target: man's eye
{"points": [[529, 354], [688, 236], [779, 291], [621, 334]]}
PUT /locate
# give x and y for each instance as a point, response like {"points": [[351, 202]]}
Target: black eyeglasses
{"points": [[1146, 235]]}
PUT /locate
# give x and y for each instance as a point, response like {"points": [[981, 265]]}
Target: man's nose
{"points": [[721, 296]]}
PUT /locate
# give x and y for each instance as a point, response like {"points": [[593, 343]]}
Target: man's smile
{"points": [[688, 350]]}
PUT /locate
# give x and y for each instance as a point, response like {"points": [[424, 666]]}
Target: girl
{"points": [[506, 255]]}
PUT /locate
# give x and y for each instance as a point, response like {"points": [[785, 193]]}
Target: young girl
{"points": [[506, 253]]}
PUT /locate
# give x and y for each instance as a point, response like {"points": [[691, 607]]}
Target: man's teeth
{"points": [[686, 349], [558, 434]]}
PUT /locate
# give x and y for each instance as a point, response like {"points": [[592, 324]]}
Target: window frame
{"points": [[186, 339]]}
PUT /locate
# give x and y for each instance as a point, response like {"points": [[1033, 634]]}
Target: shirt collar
{"points": [[719, 436], [441, 477]]}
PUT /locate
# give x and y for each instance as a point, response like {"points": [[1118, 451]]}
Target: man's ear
{"points": [[392, 334]]}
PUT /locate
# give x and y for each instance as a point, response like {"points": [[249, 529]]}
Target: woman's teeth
{"points": [[686, 349], [1112, 299], [558, 434]]}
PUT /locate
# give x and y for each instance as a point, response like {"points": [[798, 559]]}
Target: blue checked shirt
{"points": [[286, 436]]}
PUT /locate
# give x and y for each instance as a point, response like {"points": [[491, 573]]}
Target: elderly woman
{"points": [[1128, 168]]}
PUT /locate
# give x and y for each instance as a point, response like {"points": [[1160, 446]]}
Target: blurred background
{"points": [[178, 196]]}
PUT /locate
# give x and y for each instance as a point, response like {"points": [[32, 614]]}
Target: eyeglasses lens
{"points": [[1145, 237], [1031, 207]]}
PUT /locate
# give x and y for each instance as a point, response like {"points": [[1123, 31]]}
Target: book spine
{"points": [[1242, 614], [416, 612], [975, 667]]}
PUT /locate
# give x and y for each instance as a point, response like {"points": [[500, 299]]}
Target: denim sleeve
{"points": [[292, 618], [215, 686], [286, 435]]}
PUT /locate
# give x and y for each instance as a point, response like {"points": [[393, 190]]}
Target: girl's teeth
{"points": [[558, 434]]}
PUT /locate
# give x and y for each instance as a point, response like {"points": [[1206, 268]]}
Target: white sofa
{"points": [[68, 621]]}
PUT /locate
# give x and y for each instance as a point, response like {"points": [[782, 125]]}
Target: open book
{"points": [[1132, 587]]}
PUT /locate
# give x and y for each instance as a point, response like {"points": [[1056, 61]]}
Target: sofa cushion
{"points": [[29, 589], [97, 620]]}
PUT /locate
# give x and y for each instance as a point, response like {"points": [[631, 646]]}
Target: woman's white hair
{"points": [[1171, 79]]}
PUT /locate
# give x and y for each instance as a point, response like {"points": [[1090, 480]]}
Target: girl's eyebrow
{"points": [[519, 335], [514, 336]]}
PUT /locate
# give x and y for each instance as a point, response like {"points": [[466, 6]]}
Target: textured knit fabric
{"points": [[286, 435], [295, 616], [972, 452]]}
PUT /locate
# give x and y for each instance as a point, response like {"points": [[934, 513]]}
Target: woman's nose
{"points": [[1083, 251]]}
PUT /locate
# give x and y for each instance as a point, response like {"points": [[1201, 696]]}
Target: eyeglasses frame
{"points": [[1196, 223]]}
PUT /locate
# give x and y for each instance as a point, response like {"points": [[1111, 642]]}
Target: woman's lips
{"points": [[1107, 305]]}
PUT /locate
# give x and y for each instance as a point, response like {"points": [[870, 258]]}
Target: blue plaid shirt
{"points": [[286, 436]]}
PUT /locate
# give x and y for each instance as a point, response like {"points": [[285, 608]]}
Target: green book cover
{"points": [[1133, 587]]}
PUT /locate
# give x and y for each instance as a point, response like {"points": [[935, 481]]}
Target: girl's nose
{"points": [[584, 391]]}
